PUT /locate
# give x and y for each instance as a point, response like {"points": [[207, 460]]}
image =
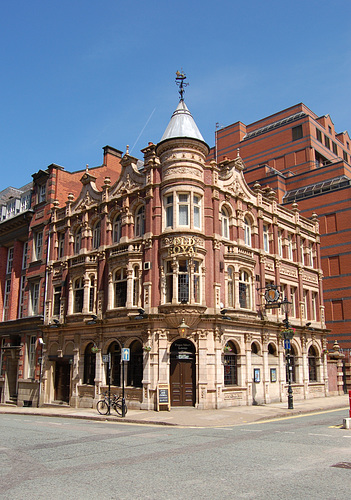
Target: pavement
{"points": [[192, 417]]}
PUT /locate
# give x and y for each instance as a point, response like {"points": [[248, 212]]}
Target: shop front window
{"points": [[230, 362], [135, 365]]}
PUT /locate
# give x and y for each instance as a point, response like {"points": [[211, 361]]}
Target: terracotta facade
{"points": [[173, 261]]}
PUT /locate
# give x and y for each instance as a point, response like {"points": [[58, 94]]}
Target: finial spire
{"points": [[180, 82]]}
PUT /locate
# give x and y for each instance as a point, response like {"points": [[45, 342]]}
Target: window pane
{"points": [[183, 215]]}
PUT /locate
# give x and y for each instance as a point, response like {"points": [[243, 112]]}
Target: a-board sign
{"points": [[163, 397]]}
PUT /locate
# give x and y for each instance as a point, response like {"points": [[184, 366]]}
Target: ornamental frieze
{"points": [[178, 245], [310, 278], [184, 172], [288, 271]]}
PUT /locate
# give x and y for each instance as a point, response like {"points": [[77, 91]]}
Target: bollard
{"points": [[350, 403]]}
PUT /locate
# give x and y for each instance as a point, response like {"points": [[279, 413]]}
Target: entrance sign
{"points": [[125, 354], [163, 397]]}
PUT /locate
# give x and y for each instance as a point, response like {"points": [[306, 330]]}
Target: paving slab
{"points": [[192, 417]]}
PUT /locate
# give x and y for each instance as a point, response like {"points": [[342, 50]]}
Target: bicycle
{"points": [[104, 405]]}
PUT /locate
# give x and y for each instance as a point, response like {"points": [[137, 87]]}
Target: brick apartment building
{"points": [[24, 243], [307, 163]]}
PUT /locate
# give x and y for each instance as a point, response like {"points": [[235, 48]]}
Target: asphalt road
{"points": [[59, 458]]}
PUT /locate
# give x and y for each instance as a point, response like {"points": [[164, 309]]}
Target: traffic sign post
{"points": [[125, 357]]}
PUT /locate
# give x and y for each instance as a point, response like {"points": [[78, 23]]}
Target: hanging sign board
{"points": [[163, 401]]}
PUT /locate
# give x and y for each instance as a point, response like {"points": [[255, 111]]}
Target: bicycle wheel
{"points": [[102, 407], [118, 408]]}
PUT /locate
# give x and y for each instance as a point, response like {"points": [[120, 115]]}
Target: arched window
{"points": [[89, 365], [254, 348], [97, 235], [120, 287], [312, 364], [225, 223], [77, 240], [139, 224], [272, 351], [117, 229], [230, 285], [135, 365], [230, 363], [92, 294], [247, 229], [244, 290], [78, 295], [136, 286], [115, 372]]}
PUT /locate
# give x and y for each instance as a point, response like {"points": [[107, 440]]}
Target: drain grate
{"points": [[343, 465]]}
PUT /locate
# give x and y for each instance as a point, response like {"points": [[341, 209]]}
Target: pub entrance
{"points": [[62, 380], [182, 376]]}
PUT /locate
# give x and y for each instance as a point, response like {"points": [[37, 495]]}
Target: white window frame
{"points": [[183, 209], [225, 223], [117, 229], [21, 296], [38, 245], [9, 264], [77, 245], [265, 238], [34, 298], [136, 285], [97, 235], [139, 223], [290, 247], [60, 244], [169, 207], [78, 287], [280, 243], [6, 305], [247, 232], [314, 306], [25, 255], [41, 193], [122, 280], [230, 287], [247, 284], [31, 356], [196, 211]]}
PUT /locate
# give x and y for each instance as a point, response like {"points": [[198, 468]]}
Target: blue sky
{"points": [[80, 74]]}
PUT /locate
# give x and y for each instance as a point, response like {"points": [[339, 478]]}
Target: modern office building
{"points": [[307, 163]]}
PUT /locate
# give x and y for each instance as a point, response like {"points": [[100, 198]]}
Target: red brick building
{"points": [[172, 261], [307, 163], [24, 243]]}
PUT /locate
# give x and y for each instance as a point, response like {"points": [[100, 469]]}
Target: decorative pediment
{"points": [[131, 179], [87, 198]]}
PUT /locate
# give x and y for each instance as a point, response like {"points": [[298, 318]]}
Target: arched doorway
{"points": [[183, 375]]}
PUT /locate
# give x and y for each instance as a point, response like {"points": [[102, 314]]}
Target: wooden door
{"points": [[183, 382], [62, 381]]}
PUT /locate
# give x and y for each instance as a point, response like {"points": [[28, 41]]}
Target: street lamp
{"points": [[288, 334]]}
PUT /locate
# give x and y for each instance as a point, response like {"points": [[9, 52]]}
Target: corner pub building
{"points": [[173, 261]]}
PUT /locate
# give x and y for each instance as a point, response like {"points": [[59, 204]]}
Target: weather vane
{"points": [[180, 82]]}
